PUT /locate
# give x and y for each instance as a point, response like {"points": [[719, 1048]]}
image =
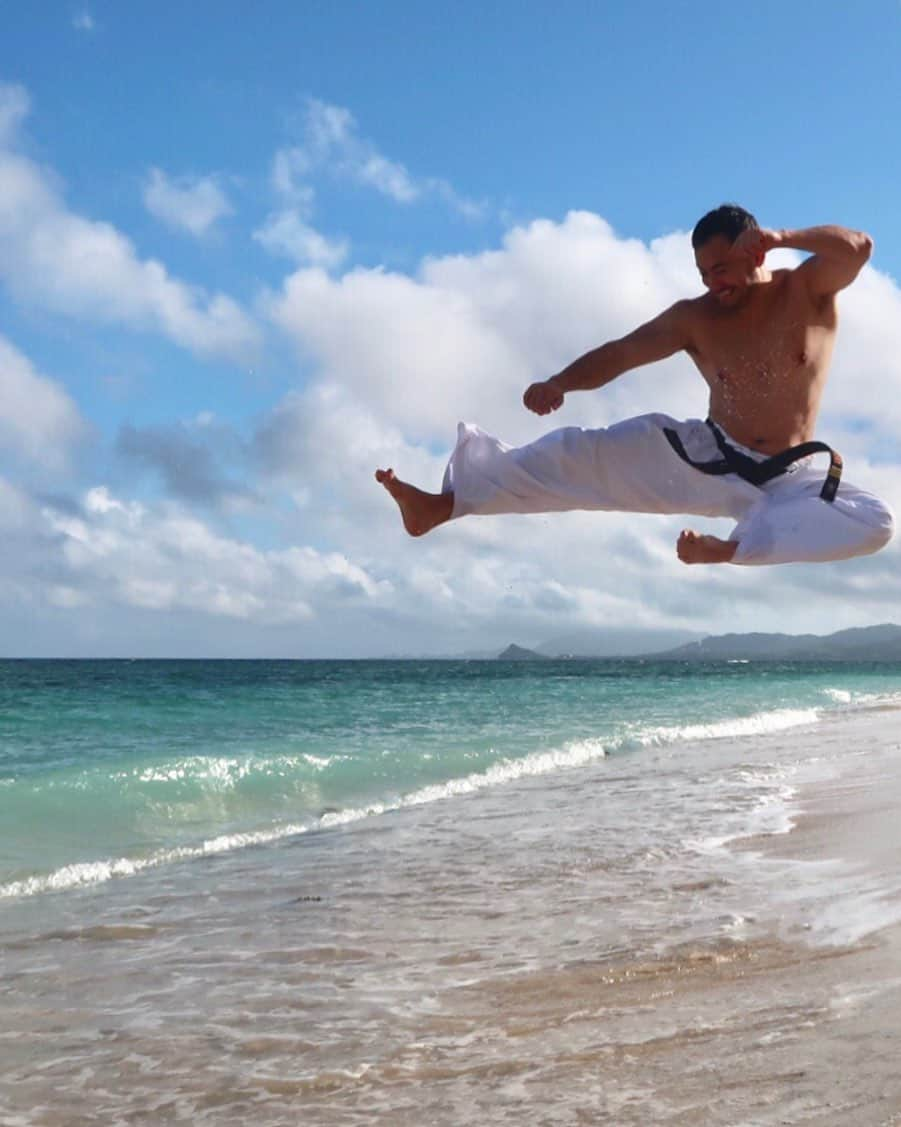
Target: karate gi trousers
{"points": [[632, 467]]}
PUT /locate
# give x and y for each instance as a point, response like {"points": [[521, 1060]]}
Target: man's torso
{"points": [[766, 362]]}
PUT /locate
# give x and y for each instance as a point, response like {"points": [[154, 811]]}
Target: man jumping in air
{"points": [[763, 341]]}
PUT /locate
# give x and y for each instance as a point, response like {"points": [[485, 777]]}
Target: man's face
{"points": [[726, 275]]}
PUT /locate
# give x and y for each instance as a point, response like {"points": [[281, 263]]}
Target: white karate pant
{"points": [[631, 467]]}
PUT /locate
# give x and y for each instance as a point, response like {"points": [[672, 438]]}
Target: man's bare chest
{"points": [[763, 345], [751, 354]]}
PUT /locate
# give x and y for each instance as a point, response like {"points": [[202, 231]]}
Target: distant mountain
{"points": [[520, 653], [601, 642], [864, 643]]}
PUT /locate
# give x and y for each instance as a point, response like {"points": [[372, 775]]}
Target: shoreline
{"points": [[519, 954], [846, 820]]}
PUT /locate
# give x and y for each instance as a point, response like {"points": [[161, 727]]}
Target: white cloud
{"points": [[83, 21], [331, 138], [331, 141], [289, 166], [332, 145], [38, 420], [16, 509], [405, 348], [14, 107], [286, 233], [58, 260], [867, 365], [165, 559], [386, 176], [189, 203]]}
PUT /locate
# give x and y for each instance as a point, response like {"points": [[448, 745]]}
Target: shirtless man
{"points": [[762, 340]]}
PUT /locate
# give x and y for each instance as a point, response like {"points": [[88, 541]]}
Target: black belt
{"points": [[758, 473]]}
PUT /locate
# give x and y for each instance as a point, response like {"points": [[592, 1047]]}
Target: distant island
{"points": [[520, 653], [864, 643]]}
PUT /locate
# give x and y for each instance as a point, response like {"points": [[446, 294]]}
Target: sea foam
{"points": [[759, 724], [569, 756]]}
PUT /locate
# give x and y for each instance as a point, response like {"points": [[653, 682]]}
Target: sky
{"points": [[250, 253]]}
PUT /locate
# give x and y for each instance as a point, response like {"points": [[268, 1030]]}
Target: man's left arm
{"points": [[837, 255]]}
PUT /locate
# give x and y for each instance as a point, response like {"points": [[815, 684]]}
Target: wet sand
{"points": [[799, 1025]]}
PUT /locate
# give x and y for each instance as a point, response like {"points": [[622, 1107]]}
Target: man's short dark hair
{"points": [[728, 219]]}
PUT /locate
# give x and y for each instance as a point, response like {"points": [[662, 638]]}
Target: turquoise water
{"points": [[108, 767]]}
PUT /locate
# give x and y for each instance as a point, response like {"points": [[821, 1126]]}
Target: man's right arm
{"points": [[655, 340]]}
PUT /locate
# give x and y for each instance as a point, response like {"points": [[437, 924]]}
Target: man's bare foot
{"points": [[420, 511], [694, 548]]}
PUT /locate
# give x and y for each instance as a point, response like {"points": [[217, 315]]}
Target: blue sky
{"points": [[242, 254]]}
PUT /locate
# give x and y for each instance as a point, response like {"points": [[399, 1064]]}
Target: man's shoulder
{"points": [[792, 284], [789, 279], [686, 318], [685, 307], [688, 309]]}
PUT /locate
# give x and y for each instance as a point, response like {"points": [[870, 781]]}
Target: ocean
{"points": [[416, 892]]}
